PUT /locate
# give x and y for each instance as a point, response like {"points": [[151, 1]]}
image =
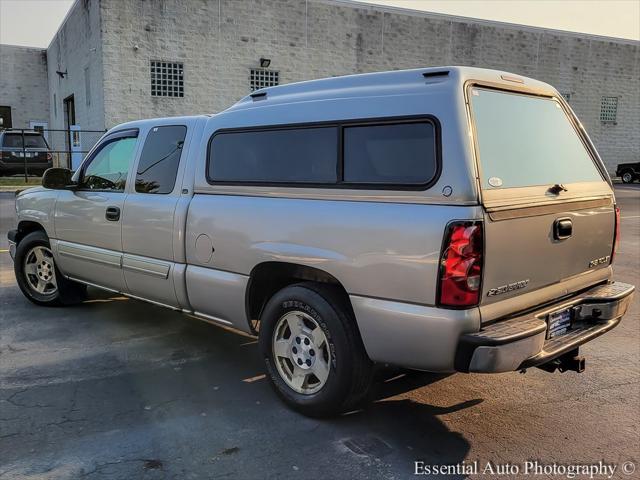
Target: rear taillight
{"points": [[460, 274], [616, 234]]}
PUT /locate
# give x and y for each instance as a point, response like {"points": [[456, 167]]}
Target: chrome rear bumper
{"points": [[522, 342]]}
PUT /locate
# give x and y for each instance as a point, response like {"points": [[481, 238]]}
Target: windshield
{"points": [[527, 141]]}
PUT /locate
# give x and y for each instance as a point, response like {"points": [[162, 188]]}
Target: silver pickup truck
{"points": [[440, 219]]}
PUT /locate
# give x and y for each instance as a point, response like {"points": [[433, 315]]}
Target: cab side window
{"points": [[109, 168], [160, 158]]}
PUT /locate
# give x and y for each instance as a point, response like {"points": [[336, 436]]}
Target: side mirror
{"points": [[57, 179]]}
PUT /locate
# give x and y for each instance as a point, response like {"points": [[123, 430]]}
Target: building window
{"points": [[167, 79], [609, 109], [5, 117], [263, 78]]}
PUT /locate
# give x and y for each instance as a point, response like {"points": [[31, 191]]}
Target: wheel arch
{"points": [[269, 277], [25, 227]]}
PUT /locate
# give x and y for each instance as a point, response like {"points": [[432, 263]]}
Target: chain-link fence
{"points": [[29, 152]]}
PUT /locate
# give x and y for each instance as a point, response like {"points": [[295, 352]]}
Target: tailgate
{"points": [[549, 209], [523, 253]]}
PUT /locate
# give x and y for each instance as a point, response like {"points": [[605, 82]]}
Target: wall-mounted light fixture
{"points": [[265, 62], [62, 74]]}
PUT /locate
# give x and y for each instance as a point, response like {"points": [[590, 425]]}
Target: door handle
{"points": [[112, 214], [562, 228]]}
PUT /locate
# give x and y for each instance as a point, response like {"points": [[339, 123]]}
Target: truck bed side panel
{"points": [[382, 250]]}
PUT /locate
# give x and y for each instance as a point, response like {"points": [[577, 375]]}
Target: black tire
{"points": [[67, 291], [627, 176], [350, 370]]}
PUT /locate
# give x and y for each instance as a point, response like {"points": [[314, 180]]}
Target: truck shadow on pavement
{"points": [[114, 387]]}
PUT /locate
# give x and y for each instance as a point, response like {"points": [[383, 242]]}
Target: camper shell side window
{"points": [[392, 153]]}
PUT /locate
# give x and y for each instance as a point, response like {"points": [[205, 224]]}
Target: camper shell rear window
{"points": [[525, 140]]}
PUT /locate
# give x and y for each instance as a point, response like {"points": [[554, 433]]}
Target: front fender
{"points": [[37, 205]]}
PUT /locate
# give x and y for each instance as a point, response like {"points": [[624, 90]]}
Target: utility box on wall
{"points": [[75, 146]]}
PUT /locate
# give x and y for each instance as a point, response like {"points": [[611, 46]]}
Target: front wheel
{"points": [[312, 350], [37, 274], [627, 177]]}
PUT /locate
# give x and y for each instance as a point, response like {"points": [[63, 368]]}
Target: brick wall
{"points": [[23, 84], [77, 49], [107, 46], [219, 41]]}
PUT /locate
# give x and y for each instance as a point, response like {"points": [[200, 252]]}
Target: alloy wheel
{"points": [[301, 352], [39, 271]]}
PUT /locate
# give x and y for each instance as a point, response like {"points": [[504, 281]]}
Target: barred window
{"points": [[609, 109], [262, 78], [167, 79]]}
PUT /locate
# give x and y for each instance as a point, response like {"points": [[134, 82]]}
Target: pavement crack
{"points": [[10, 400], [14, 394], [149, 464], [2, 474], [64, 422]]}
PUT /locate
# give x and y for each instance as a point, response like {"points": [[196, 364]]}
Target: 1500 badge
{"points": [[507, 288], [599, 261]]}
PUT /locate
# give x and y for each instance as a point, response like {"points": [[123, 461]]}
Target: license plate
{"points": [[558, 323]]}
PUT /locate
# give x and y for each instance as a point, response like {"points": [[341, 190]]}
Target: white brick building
{"points": [[23, 86], [108, 49]]}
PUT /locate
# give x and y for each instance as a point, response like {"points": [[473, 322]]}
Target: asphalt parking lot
{"points": [[120, 389]]}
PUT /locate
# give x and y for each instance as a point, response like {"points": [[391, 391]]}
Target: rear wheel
{"points": [[37, 274], [312, 350], [627, 177]]}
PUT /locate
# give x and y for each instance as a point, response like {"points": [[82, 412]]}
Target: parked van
{"points": [[440, 219]]}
